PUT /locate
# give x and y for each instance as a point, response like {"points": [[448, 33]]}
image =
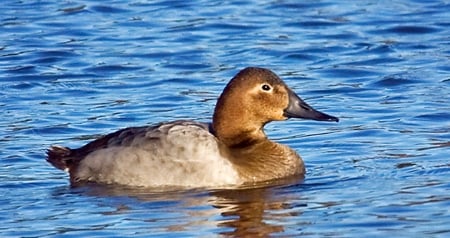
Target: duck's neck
{"points": [[237, 129]]}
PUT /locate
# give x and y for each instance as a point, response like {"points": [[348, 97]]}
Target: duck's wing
{"points": [[65, 158]]}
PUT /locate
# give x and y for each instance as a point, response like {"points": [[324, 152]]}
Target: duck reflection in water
{"points": [[254, 212], [240, 212]]}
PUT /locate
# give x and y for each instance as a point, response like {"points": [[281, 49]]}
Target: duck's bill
{"points": [[297, 108]]}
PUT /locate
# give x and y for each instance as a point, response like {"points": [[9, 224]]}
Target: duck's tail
{"points": [[59, 157]]}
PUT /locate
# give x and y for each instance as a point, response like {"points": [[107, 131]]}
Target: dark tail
{"points": [[58, 156]]}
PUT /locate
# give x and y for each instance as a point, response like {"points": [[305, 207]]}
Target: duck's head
{"points": [[254, 97]]}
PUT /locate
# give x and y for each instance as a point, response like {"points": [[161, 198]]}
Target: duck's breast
{"points": [[181, 153]]}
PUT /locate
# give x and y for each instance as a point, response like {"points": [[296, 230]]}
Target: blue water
{"points": [[71, 71]]}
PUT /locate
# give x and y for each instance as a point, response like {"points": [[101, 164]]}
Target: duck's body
{"points": [[232, 150], [180, 153]]}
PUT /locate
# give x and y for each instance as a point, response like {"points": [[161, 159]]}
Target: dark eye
{"points": [[265, 87]]}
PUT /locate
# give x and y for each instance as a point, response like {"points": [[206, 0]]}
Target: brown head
{"points": [[254, 97]]}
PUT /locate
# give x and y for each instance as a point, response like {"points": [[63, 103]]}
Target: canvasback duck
{"points": [[232, 150]]}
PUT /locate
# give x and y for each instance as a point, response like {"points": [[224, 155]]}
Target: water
{"points": [[73, 70]]}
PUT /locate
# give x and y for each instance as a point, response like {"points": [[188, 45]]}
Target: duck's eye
{"points": [[266, 87]]}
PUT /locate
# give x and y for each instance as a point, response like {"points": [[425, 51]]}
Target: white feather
{"points": [[163, 156]]}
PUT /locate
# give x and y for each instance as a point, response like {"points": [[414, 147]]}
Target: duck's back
{"points": [[180, 153]]}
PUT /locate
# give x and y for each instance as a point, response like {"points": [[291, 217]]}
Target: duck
{"points": [[232, 149]]}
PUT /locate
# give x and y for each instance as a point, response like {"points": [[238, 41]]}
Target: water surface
{"points": [[72, 71]]}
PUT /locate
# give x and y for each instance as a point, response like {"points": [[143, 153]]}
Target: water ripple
{"points": [[72, 71]]}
